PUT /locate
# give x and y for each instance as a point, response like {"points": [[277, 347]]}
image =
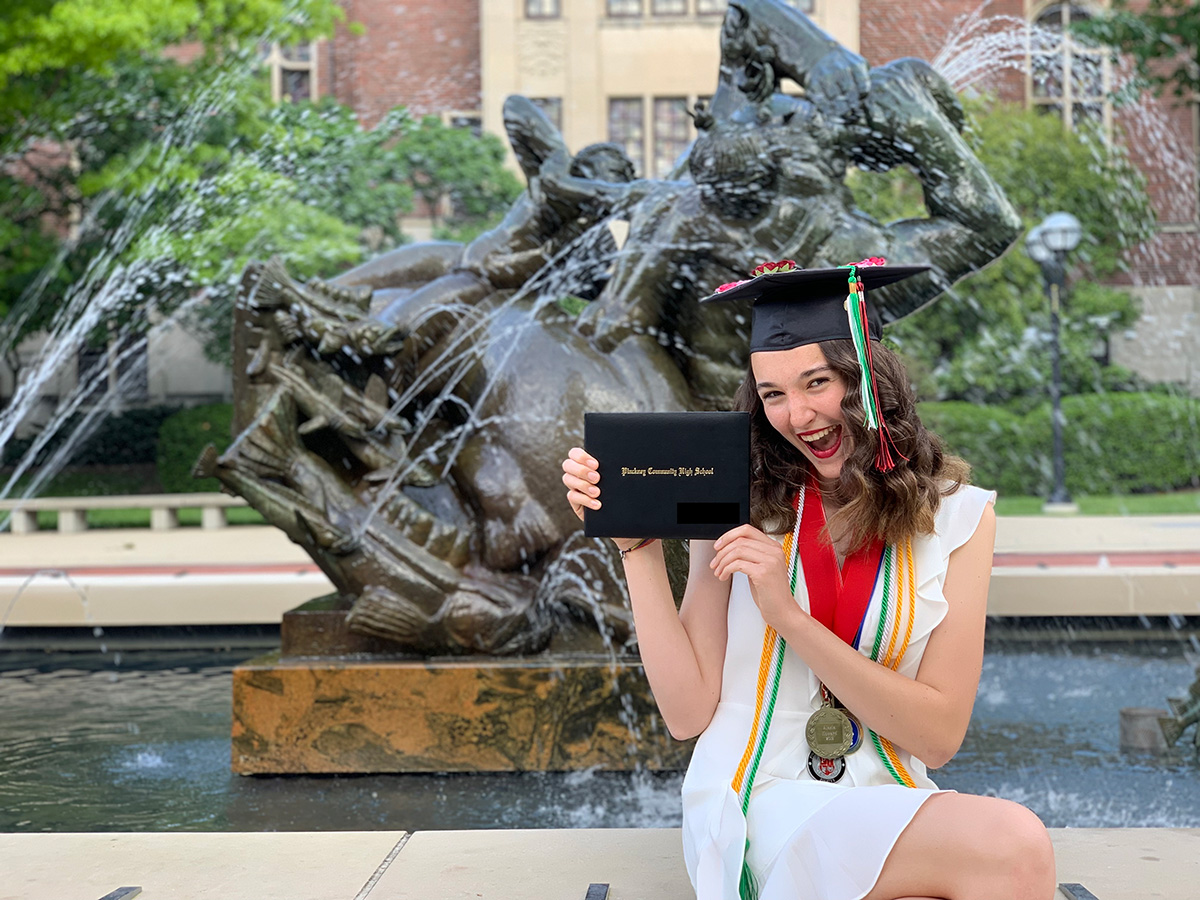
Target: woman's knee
{"points": [[988, 848], [1035, 853], [1018, 848]]}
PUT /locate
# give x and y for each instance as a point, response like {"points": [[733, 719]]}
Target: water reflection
{"points": [[143, 745]]}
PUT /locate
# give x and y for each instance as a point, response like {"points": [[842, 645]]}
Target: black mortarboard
{"points": [[794, 306]]}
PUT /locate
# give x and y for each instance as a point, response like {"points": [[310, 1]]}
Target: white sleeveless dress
{"points": [[810, 839]]}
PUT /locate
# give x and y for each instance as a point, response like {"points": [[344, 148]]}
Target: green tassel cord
{"points": [[747, 885]]}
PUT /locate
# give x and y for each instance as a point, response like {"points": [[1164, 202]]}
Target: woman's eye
{"points": [[770, 395]]}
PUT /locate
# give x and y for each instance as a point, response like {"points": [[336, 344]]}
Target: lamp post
{"points": [[1048, 245]]}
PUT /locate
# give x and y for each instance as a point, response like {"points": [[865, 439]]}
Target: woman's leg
{"points": [[965, 847]]}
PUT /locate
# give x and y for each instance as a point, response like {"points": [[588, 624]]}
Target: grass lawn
{"points": [[1176, 502]]}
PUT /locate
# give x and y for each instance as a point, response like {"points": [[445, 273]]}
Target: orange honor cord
{"points": [[906, 607]]}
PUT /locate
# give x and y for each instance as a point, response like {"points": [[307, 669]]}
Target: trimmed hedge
{"points": [[128, 438], [181, 440], [1121, 443], [993, 440]]}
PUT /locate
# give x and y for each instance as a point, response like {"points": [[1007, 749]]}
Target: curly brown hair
{"points": [[894, 505]]}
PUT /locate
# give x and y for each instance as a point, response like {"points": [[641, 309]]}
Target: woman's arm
{"points": [[682, 651], [927, 716]]}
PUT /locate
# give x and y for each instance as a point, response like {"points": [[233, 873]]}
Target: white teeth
{"points": [[817, 435]]}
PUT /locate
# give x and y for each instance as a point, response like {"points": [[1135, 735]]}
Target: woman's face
{"points": [[802, 397]]}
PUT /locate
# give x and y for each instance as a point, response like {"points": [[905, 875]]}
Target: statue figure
{"points": [[404, 421]]}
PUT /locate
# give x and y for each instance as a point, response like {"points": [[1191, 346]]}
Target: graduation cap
{"points": [[795, 306]]}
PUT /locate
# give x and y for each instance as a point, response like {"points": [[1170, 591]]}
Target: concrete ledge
{"points": [[56, 600], [639, 864], [1094, 591]]}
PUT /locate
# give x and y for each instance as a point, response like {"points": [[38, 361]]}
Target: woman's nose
{"points": [[800, 413]]}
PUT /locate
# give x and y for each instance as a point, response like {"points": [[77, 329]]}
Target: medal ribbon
{"points": [[837, 598]]}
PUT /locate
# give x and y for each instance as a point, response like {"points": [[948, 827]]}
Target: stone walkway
{"points": [[638, 864]]}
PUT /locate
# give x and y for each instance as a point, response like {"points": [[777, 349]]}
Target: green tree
{"points": [[447, 165], [986, 341], [100, 136], [1163, 39]]}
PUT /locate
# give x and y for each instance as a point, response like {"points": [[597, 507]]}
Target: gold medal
{"points": [[829, 733]]}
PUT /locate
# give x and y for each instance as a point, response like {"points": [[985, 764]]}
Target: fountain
{"points": [[108, 744], [403, 422]]}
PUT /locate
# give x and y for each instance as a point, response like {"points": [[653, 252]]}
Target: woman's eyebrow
{"points": [[805, 374]]}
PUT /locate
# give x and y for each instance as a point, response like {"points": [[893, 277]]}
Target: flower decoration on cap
{"points": [[872, 261], [774, 268]]}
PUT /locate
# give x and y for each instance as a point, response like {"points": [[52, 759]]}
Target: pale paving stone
{"points": [[639, 864], [193, 866]]}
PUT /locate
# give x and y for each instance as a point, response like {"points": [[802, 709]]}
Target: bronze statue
{"points": [[404, 421]]}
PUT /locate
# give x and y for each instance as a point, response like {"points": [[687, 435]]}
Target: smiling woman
{"points": [[826, 662]]}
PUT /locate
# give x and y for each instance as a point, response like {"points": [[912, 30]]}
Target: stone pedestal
{"points": [[468, 715], [296, 712]]}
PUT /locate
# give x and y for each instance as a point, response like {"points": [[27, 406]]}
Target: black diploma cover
{"points": [[669, 475]]}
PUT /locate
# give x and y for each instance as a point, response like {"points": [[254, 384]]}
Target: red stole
{"points": [[837, 598]]}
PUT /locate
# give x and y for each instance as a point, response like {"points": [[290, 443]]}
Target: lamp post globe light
{"points": [[1047, 245]]}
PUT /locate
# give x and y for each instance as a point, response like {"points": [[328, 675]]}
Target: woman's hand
{"points": [[747, 550], [581, 475]]}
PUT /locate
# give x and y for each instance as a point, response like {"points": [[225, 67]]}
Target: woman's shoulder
{"points": [[959, 514]]}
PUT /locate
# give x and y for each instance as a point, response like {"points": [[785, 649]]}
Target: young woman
{"points": [[830, 651]]}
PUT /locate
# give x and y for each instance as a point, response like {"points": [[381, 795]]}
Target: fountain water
{"points": [[442, 427]]}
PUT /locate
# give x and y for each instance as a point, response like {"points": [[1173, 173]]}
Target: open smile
{"points": [[823, 442]]}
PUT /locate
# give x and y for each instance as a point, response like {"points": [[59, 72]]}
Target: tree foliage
{"points": [[1162, 38], [987, 339], [451, 167], [120, 166]]}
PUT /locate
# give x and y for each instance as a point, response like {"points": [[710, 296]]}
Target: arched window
{"points": [[1067, 77]]}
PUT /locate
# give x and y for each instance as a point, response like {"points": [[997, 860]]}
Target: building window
{"points": [[625, 127], [624, 8], [293, 71], [671, 132], [669, 7], [1066, 77], [710, 7], [542, 9], [552, 107]]}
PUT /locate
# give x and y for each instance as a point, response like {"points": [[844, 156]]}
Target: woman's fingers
{"points": [[581, 475], [747, 555]]}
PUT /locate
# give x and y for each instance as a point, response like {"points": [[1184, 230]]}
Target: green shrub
{"points": [[1125, 443], [127, 438], [1115, 443], [181, 440], [992, 439]]}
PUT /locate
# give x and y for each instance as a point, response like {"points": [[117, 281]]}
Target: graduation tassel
{"points": [[856, 313]]}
